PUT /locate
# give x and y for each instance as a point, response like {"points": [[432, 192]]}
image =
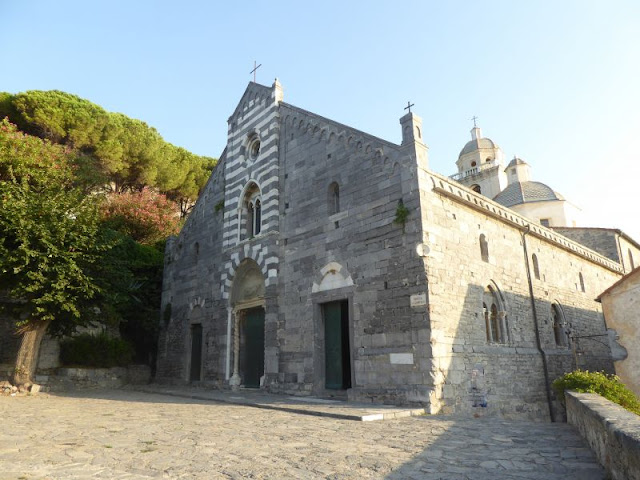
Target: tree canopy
{"points": [[87, 198], [51, 241], [120, 153]]}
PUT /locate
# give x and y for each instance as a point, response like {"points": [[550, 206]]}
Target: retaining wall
{"points": [[612, 432]]}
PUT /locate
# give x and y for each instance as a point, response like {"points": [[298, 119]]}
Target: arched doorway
{"points": [[247, 302]]}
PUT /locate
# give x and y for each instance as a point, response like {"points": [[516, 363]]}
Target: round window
{"points": [[254, 149]]}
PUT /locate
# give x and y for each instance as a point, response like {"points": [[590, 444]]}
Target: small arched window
{"points": [[559, 331], [334, 198], [631, 259], [250, 212], [536, 267], [495, 318], [488, 160], [484, 248], [581, 282], [476, 188]]}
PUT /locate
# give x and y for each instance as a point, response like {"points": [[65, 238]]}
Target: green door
{"points": [[253, 333], [336, 345], [196, 352]]}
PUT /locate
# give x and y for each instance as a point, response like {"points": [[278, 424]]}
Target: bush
{"points": [[100, 350], [608, 386]]}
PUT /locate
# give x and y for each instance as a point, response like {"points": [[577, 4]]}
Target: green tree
{"points": [[50, 245], [118, 153]]}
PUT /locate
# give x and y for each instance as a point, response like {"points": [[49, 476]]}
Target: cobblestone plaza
{"points": [[134, 435]]}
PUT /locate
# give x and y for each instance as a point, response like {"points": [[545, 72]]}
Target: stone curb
{"points": [[361, 417]]}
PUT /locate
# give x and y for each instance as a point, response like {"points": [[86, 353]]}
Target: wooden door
{"points": [[337, 355], [196, 352], [253, 333]]}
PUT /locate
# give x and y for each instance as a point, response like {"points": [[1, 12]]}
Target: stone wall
{"points": [[612, 432], [479, 375], [602, 240], [621, 307], [375, 256], [201, 262], [71, 378], [414, 290], [609, 242]]}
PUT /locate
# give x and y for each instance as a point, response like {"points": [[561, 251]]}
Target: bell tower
{"points": [[481, 165], [412, 140]]}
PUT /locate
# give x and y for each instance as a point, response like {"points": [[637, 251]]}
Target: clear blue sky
{"points": [[555, 82]]}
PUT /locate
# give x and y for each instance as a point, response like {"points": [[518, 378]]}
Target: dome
{"points": [[526, 192], [477, 144], [516, 161]]}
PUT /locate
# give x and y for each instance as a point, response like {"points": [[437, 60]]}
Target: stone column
{"points": [[502, 318], [235, 381]]}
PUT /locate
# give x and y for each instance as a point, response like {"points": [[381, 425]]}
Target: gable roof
{"points": [[253, 90], [624, 279]]}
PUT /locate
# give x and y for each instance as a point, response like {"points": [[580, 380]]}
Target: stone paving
{"points": [[123, 434], [306, 405]]}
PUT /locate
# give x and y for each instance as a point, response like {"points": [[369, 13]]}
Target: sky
{"points": [[554, 82]]}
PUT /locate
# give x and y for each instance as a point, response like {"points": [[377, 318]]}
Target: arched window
{"points": [[476, 188], [495, 318], [250, 212], [473, 164], [581, 281], [484, 248], [536, 267], [559, 332], [334, 198], [630, 259]]}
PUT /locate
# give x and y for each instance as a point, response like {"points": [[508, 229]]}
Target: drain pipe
{"points": [[535, 324]]}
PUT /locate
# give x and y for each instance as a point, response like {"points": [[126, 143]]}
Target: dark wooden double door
{"points": [[337, 352], [252, 347]]}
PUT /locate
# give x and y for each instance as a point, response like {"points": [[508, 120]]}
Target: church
{"points": [[321, 260]]}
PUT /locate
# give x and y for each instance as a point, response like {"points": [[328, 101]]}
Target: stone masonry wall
{"points": [[373, 251], [482, 376], [200, 263], [608, 242], [612, 432]]}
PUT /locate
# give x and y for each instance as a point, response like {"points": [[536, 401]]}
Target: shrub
{"points": [[608, 386], [99, 350], [146, 216]]}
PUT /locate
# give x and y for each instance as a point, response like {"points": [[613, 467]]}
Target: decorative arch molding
{"points": [[314, 127], [248, 284], [497, 290], [196, 302], [494, 313], [267, 263], [330, 277], [247, 186]]}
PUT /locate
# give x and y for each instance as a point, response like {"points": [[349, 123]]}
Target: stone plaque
{"points": [[419, 300], [401, 358]]}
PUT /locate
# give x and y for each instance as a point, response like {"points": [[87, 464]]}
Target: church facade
{"points": [[320, 260]]}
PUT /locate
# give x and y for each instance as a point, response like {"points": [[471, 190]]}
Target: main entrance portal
{"points": [[252, 347], [337, 356]]}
